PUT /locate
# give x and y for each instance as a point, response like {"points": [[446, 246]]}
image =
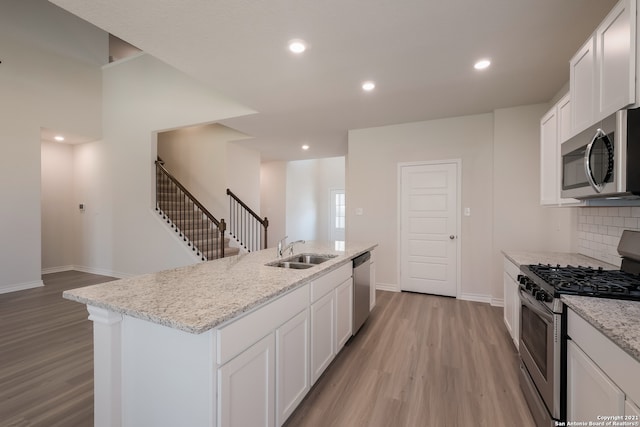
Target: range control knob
{"points": [[541, 295]]}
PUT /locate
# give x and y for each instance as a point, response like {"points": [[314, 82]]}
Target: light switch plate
{"points": [[359, 211], [467, 211]]}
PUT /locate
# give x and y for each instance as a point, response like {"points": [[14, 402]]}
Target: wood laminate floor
{"points": [[46, 355], [419, 360]]}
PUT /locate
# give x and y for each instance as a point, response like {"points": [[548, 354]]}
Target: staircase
{"points": [[190, 220]]}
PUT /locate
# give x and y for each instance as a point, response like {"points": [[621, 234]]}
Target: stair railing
{"points": [[187, 216], [245, 225]]}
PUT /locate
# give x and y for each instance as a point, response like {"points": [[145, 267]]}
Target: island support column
{"points": [[107, 367]]}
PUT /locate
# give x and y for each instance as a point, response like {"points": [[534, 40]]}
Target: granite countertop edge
{"points": [[520, 258], [120, 296], [622, 328]]}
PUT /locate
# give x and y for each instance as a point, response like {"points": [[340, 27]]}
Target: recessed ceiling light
{"points": [[482, 64], [368, 86], [59, 138], [297, 46], [305, 147]]}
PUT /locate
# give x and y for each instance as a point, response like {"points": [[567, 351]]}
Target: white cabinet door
{"points": [[512, 301], [590, 393], [509, 308], [246, 387], [323, 314], [631, 411], [582, 86], [292, 350], [549, 183], [564, 120], [344, 313], [616, 59], [372, 281]]}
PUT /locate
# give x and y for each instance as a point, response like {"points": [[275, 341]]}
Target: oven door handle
{"points": [[535, 306]]}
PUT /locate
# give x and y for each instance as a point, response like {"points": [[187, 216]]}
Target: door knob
{"points": [[452, 237]]}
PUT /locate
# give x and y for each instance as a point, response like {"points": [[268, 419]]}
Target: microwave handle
{"points": [[587, 162]]}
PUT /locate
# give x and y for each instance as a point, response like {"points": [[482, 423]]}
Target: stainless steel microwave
{"points": [[603, 161]]}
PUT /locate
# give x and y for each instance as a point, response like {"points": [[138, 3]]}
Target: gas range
{"points": [[586, 281], [546, 282], [542, 343]]}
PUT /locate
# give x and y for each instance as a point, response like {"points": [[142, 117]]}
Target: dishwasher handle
{"points": [[361, 259]]}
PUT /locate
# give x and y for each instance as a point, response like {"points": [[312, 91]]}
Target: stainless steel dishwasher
{"points": [[361, 290]]}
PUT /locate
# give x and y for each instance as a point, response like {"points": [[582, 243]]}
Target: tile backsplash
{"points": [[599, 230]]}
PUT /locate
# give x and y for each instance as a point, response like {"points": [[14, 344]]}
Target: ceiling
{"points": [[420, 54]]}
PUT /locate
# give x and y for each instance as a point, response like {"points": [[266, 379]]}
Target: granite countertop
{"points": [[617, 319], [563, 258], [199, 297]]}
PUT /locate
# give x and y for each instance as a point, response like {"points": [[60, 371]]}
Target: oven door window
{"points": [[534, 336], [573, 174]]}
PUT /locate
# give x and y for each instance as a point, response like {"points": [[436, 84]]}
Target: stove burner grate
{"points": [[589, 281]]}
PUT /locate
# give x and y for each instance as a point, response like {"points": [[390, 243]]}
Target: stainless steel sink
{"points": [[311, 258], [293, 265], [301, 261]]}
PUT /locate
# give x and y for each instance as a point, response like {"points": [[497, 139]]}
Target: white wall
{"points": [[273, 201], [136, 107], [58, 206], [309, 183], [49, 78], [243, 175], [206, 162], [372, 184], [519, 221]]}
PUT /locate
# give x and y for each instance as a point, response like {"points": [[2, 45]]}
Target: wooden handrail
{"points": [[264, 222], [206, 238], [247, 231], [195, 201]]}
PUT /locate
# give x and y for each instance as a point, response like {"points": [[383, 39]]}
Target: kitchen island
{"points": [[227, 342]]}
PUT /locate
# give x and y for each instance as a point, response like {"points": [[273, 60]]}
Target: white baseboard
{"points": [[487, 299], [57, 269], [20, 286], [84, 269], [387, 287], [103, 272], [497, 302]]}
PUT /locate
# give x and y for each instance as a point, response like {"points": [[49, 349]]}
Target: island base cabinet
{"points": [[246, 387], [292, 352], [344, 313], [322, 334], [590, 392], [167, 375]]}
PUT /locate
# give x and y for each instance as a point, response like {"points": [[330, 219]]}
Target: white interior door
{"points": [[429, 228]]}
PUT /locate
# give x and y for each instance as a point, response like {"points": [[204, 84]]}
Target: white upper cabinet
{"points": [[549, 183], [582, 82], [616, 59], [602, 73], [564, 120]]}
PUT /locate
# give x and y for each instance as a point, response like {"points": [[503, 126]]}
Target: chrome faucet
{"points": [[280, 243], [282, 249]]}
